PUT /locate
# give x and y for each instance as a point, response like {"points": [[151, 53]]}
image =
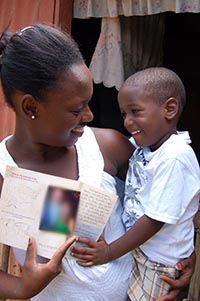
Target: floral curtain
{"points": [[114, 8], [125, 46], [131, 36]]}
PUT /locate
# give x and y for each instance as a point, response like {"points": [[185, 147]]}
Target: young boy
{"points": [[34, 276], [162, 185]]}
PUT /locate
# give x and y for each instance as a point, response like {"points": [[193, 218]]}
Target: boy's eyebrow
{"points": [[134, 104]]}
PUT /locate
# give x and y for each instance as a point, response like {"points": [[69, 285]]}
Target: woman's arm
{"points": [[116, 150], [186, 269], [35, 277]]}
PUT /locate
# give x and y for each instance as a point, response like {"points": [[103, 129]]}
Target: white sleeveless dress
{"points": [[108, 282]]}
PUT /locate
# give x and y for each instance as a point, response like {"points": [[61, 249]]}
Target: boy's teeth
{"points": [[135, 132]]}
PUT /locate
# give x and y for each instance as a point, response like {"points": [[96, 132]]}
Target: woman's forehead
{"points": [[75, 83], [78, 77]]}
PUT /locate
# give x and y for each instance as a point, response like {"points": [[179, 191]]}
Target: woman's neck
{"points": [[22, 145]]}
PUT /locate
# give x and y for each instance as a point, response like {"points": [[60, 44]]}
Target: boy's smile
{"points": [[135, 132], [144, 117]]}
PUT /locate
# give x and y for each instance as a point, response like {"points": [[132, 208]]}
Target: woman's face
{"points": [[61, 117]]}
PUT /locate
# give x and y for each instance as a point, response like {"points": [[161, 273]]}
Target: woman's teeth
{"points": [[135, 132], [78, 130]]}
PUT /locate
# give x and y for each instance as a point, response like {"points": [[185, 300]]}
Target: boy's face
{"points": [[144, 117]]}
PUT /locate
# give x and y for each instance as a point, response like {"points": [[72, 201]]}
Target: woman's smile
{"points": [[79, 130]]}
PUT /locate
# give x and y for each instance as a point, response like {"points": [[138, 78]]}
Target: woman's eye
{"points": [[76, 113]]}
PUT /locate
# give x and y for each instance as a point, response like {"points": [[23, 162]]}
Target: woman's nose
{"points": [[87, 115]]}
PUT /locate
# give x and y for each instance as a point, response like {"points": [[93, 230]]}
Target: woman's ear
{"points": [[29, 106], [171, 108]]}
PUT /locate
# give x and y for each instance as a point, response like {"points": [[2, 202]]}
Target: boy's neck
{"points": [[163, 139]]}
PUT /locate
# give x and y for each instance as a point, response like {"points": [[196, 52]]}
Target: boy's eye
{"points": [[123, 115], [134, 111]]}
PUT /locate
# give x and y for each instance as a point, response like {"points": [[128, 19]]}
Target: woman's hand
{"points": [[186, 268], [36, 276], [95, 253]]}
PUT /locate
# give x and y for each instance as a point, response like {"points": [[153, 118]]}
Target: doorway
{"points": [[181, 54]]}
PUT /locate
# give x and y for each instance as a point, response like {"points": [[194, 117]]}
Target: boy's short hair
{"points": [[161, 83]]}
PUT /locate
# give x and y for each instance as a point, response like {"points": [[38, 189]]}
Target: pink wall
{"points": [[21, 13]]}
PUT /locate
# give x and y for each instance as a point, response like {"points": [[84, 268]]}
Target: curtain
{"points": [[131, 36], [114, 8], [125, 46]]}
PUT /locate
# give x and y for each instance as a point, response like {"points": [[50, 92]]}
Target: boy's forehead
{"points": [[137, 93], [136, 88]]}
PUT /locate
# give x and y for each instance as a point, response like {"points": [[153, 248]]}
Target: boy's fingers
{"points": [[85, 264], [82, 251], [87, 241], [31, 251], [83, 257], [58, 255]]}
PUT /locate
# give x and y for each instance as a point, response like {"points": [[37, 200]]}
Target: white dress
{"points": [[108, 282]]}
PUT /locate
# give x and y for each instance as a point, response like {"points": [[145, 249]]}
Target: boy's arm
{"points": [[35, 277], [101, 252]]}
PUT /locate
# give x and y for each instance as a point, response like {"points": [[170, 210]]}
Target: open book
{"points": [[49, 208]]}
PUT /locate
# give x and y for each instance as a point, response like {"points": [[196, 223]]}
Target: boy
{"points": [[162, 184]]}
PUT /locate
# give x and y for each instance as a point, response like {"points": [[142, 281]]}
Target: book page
{"points": [[93, 213], [50, 208], [22, 207]]}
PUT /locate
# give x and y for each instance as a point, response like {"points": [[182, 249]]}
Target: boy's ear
{"points": [[171, 107]]}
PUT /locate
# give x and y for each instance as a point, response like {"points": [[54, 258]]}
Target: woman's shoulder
{"points": [[109, 137], [115, 148]]}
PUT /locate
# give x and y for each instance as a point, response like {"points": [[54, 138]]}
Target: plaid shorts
{"points": [[145, 283]]}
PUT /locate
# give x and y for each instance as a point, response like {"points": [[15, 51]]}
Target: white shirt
{"points": [[98, 283], [165, 186]]}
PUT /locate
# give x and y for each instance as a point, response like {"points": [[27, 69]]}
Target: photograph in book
{"points": [[49, 208], [60, 210]]}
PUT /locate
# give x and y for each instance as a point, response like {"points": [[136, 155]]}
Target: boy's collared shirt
{"points": [[165, 186]]}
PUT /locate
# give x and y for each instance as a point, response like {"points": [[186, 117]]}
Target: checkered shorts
{"points": [[145, 283]]}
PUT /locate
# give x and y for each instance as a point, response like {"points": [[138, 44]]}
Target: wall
{"points": [[18, 14]]}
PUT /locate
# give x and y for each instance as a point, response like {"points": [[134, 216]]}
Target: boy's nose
{"points": [[128, 121]]}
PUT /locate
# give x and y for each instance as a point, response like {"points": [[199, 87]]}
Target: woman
{"points": [[46, 82], [34, 276]]}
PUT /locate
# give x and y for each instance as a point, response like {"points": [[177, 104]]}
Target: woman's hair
{"points": [[33, 59]]}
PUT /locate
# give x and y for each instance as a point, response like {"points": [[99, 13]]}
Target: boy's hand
{"points": [[36, 276], [95, 253], [186, 268]]}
